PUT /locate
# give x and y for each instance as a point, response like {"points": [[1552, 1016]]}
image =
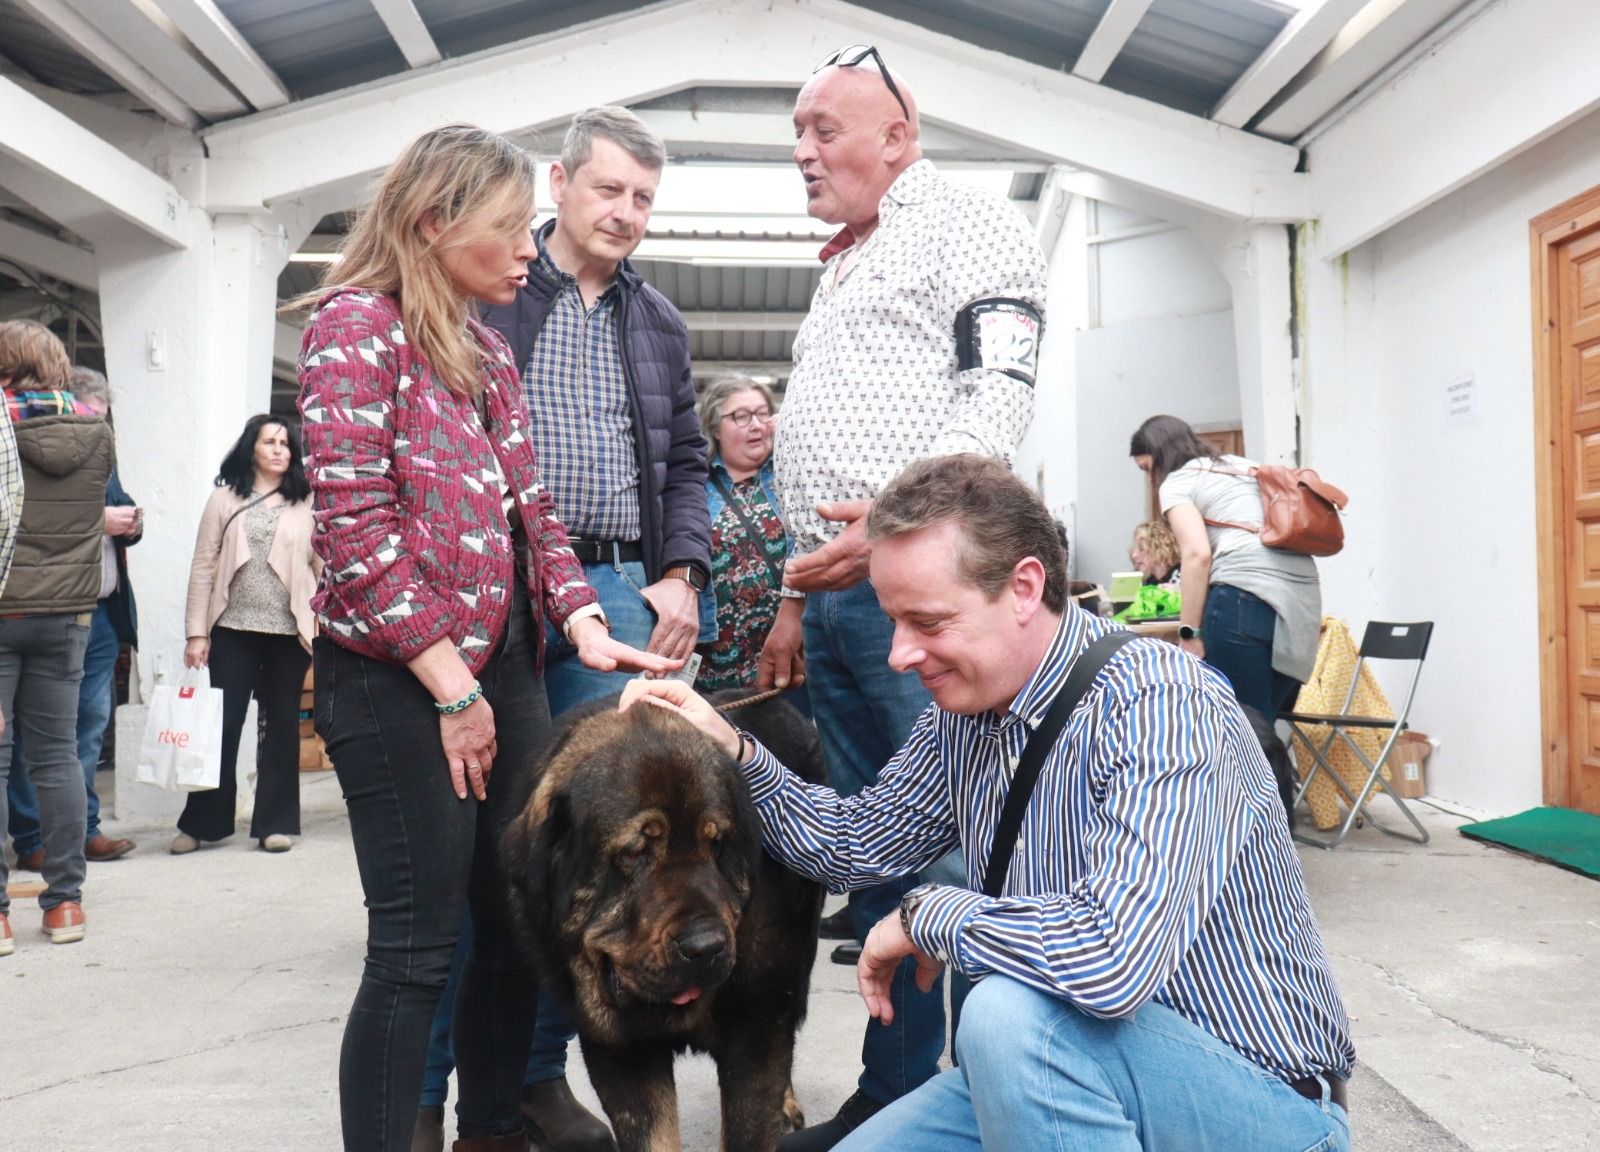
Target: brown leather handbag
{"points": [[1299, 510]]}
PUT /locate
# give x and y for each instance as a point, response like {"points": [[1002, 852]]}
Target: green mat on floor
{"points": [[1559, 835]]}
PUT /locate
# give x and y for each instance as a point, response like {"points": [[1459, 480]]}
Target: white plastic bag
{"points": [[182, 748]]}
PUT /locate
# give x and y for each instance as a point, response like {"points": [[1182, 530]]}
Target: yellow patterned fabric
{"points": [[1337, 654]]}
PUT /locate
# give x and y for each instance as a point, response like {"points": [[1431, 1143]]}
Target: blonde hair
{"points": [[33, 357], [1158, 542], [471, 182]]}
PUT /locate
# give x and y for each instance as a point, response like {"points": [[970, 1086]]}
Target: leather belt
{"points": [[1311, 1088], [591, 551]]}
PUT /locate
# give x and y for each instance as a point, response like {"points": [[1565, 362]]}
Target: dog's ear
{"points": [[740, 854], [555, 856]]}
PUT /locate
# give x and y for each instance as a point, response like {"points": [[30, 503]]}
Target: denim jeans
{"points": [[864, 712], [568, 683], [1037, 1073], [41, 666], [94, 713], [424, 857], [1238, 627], [273, 669]]}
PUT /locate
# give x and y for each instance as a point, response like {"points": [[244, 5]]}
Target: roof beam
{"points": [[743, 321], [1306, 34], [82, 36], [337, 142], [405, 24], [1108, 38], [1436, 125], [229, 52], [65, 156], [150, 37], [1380, 33], [44, 253]]}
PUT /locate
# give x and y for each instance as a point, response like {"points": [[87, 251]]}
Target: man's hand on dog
{"points": [[676, 696], [887, 944]]}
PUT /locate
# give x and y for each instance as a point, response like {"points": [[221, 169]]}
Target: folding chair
{"points": [[1400, 642]]}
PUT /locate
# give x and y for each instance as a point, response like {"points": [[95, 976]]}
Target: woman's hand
{"points": [[599, 651], [676, 696], [197, 652], [469, 747], [1195, 647], [782, 661]]}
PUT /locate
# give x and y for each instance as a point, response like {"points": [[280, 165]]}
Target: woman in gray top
{"points": [[1253, 613], [249, 619]]}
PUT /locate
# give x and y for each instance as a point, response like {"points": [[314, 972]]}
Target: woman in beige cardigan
{"points": [[249, 619]]}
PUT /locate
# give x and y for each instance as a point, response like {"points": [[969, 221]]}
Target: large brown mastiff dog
{"points": [[645, 897]]}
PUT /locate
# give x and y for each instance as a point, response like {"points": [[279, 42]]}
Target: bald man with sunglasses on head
{"points": [[922, 340]]}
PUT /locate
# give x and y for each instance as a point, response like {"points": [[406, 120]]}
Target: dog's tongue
{"points": [[687, 996]]}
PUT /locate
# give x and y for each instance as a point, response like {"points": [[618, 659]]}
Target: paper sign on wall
{"points": [[1461, 399]]}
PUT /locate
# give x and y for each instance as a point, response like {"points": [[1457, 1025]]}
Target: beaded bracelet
{"points": [[462, 704]]}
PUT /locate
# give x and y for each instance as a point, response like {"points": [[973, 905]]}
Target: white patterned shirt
{"points": [[876, 382]]}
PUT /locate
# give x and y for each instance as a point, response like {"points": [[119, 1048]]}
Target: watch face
{"points": [[1187, 633]]}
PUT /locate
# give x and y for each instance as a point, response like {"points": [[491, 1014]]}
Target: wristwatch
{"points": [[689, 574], [908, 905], [1187, 633]]}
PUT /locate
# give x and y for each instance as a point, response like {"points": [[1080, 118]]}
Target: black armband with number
{"points": [[1000, 334]]}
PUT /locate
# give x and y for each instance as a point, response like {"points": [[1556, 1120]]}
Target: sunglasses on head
{"points": [[854, 55]]}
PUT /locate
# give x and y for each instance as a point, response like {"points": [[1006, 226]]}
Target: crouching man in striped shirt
{"points": [[1150, 975]]}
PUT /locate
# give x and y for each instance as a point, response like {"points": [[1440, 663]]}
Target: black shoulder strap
{"points": [[246, 508], [1079, 678]]}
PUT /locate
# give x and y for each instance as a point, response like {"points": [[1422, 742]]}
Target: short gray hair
{"points": [[87, 384], [618, 125], [715, 398]]}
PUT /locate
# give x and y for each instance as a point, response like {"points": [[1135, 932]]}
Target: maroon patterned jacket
{"points": [[407, 487]]}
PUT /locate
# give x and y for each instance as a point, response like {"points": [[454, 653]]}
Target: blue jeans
{"points": [[94, 713], [865, 711], [1037, 1073], [567, 683], [41, 666], [1238, 627]]}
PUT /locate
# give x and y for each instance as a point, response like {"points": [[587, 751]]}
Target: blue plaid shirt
{"points": [[1154, 862], [582, 423]]}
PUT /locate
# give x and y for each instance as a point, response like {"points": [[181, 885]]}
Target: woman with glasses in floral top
{"points": [[748, 541]]}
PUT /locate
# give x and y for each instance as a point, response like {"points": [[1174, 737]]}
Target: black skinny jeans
{"points": [[424, 855], [273, 669]]}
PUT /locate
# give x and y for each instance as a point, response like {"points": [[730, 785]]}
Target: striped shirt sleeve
{"points": [[896, 827]]}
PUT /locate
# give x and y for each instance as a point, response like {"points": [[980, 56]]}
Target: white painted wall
{"points": [[1161, 340], [1441, 521]]}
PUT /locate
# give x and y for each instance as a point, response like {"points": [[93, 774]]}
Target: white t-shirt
{"points": [[1217, 496]]}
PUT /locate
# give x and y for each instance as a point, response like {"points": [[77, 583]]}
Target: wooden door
{"points": [[1567, 339]]}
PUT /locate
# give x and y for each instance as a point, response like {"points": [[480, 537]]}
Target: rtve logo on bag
{"points": [[168, 736], [186, 692]]}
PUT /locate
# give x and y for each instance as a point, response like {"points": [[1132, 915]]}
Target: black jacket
{"points": [[119, 605], [675, 526]]}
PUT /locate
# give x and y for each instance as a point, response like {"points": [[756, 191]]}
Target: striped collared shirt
{"points": [[581, 420], [1154, 861]]}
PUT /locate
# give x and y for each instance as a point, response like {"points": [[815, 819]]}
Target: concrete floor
{"points": [[205, 1006]]}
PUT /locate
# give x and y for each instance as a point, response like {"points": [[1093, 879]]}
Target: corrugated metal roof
{"points": [[726, 288], [41, 55]]}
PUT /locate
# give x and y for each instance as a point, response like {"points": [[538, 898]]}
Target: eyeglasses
{"points": [[854, 55], [743, 416]]}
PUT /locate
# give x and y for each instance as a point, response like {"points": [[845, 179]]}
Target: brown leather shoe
{"points": [[31, 861], [428, 1134], [64, 923], [101, 847], [555, 1120]]}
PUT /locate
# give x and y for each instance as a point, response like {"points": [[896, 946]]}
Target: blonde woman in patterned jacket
{"points": [[444, 558]]}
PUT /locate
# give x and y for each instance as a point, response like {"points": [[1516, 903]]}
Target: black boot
{"points": [[852, 1114], [837, 926], [554, 1119]]}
